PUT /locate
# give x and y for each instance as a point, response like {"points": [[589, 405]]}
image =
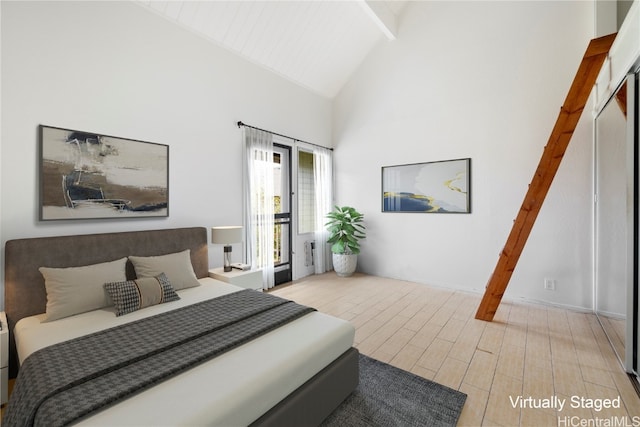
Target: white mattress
{"points": [[233, 389]]}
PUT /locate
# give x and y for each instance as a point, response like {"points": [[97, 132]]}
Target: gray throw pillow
{"points": [[132, 295]]}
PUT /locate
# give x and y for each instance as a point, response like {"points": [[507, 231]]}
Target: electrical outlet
{"points": [[550, 284]]}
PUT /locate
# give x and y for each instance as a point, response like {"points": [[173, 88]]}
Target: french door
{"points": [[282, 213]]}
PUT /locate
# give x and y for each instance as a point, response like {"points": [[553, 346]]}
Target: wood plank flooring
{"points": [[527, 351]]}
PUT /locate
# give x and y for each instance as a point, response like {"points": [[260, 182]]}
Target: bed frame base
{"points": [[313, 401]]}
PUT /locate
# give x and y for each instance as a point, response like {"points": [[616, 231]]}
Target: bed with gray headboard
{"points": [[307, 403]]}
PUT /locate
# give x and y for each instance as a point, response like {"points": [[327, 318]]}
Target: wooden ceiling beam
{"points": [[566, 123]]}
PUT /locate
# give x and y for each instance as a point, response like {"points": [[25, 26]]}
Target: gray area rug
{"points": [[388, 396]]}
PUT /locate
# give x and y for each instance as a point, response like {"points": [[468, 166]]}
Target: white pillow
{"points": [[176, 266], [75, 290]]}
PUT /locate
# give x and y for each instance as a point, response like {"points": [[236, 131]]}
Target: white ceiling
{"points": [[317, 44]]}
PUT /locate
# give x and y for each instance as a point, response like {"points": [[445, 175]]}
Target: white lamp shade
{"points": [[226, 235]]}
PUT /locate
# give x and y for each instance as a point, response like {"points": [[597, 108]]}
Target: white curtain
{"points": [[259, 201], [323, 183]]}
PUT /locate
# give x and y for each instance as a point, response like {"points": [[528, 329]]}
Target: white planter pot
{"points": [[345, 264]]}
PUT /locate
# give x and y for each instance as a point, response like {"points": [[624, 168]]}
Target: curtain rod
{"points": [[240, 124]]}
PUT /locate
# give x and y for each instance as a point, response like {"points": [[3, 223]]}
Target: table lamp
{"points": [[226, 235]]}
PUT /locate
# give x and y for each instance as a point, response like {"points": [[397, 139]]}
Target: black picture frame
{"points": [[87, 175], [428, 187]]}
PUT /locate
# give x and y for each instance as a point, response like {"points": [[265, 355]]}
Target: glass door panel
{"points": [[282, 213]]}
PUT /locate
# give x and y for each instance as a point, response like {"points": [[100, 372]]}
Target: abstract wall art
{"points": [[86, 175], [430, 187]]}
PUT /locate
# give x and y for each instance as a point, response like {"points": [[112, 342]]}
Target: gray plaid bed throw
{"points": [[65, 382]]}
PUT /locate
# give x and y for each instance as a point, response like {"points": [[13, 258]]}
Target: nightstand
{"points": [[4, 359], [250, 279]]}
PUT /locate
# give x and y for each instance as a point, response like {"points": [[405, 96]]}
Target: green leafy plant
{"points": [[345, 228]]}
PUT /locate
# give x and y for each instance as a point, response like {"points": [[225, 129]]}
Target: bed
{"points": [[294, 374]]}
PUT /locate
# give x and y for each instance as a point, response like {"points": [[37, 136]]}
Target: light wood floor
{"points": [[528, 350]]}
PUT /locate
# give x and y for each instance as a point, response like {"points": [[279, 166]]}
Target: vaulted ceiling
{"points": [[317, 44]]}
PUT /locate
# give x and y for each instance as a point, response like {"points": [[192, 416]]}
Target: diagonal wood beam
{"points": [[561, 134], [621, 99]]}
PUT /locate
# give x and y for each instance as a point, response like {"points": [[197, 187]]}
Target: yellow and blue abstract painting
{"points": [[433, 187]]}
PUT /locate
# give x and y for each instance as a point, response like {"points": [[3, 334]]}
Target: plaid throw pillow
{"points": [[133, 295]]}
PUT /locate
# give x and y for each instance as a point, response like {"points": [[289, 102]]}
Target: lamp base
{"points": [[227, 258]]}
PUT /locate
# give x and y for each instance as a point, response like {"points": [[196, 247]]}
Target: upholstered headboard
{"points": [[25, 293]]}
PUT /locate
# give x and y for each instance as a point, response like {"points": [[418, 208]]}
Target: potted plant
{"points": [[345, 230]]}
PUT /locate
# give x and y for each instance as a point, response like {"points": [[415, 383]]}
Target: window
{"points": [[306, 193]]}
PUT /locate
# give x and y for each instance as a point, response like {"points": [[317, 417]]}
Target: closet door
{"points": [[633, 144], [614, 224]]}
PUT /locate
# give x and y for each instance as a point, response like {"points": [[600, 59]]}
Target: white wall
{"points": [[116, 68], [483, 80]]}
